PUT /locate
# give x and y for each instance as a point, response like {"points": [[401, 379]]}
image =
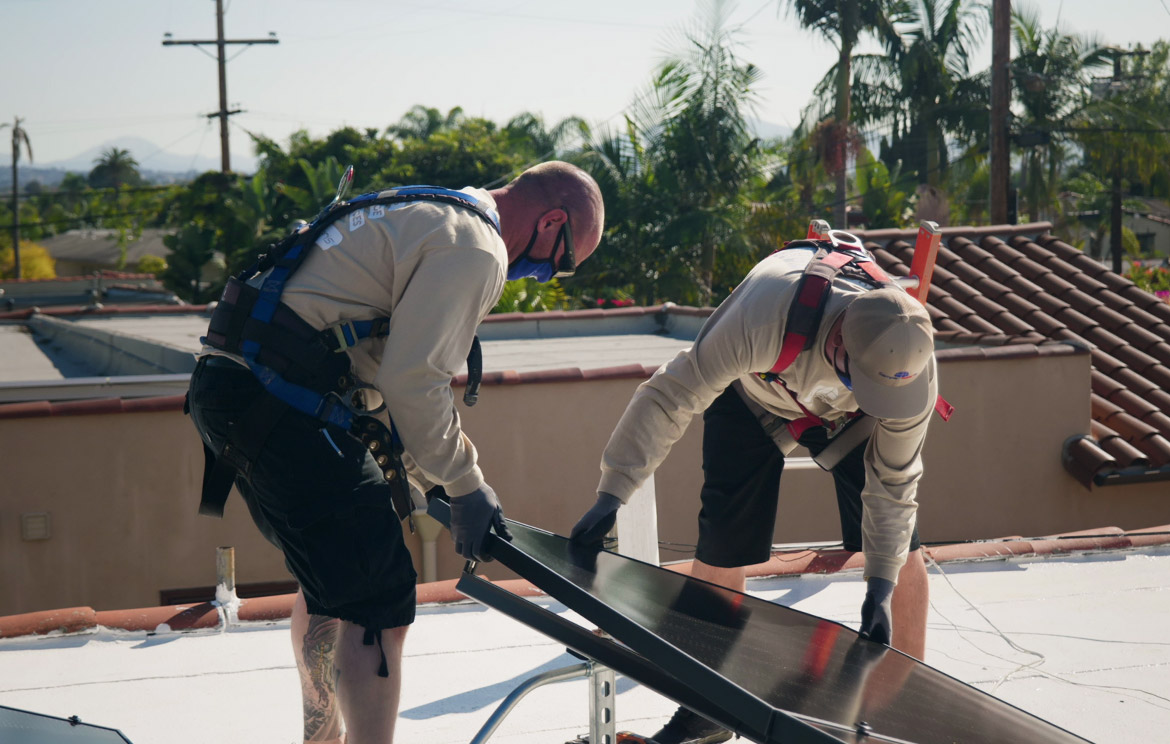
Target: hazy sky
{"points": [[85, 72]]}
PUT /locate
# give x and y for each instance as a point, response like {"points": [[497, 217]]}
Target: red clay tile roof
{"points": [[1022, 285], [202, 615]]}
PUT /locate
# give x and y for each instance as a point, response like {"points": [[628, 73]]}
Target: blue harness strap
{"points": [[329, 408]]}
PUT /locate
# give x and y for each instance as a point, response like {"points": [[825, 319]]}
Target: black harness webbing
{"points": [[304, 368]]}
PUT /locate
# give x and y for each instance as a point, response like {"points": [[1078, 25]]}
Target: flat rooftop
{"points": [[88, 345], [1077, 639]]}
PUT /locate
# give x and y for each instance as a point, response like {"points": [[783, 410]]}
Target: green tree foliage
{"points": [[1126, 125], [151, 265], [676, 180], [884, 201], [530, 296]]}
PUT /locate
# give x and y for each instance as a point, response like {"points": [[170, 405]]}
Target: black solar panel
{"points": [[23, 727], [769, 672]]}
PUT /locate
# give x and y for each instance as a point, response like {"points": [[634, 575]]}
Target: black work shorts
{"points": [[330, 514], [741, 486]]}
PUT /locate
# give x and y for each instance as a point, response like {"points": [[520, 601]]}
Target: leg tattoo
{"points": [[319, 680]]}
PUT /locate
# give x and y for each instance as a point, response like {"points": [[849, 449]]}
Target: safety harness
{"points": [[308, 369], [832, 258]]}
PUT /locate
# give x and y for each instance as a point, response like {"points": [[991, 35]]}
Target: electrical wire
{"points": [[1033, 666]]}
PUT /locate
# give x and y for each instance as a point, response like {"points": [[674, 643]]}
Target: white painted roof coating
{"points": [[1080, 640]]}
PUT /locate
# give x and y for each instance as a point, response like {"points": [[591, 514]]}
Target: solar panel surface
{"points": [[761, 665]]}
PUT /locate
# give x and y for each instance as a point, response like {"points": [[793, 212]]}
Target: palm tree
{"points": [[934, 68], [18, 136], [114, 169], [843, 22], [923, 87], [420, 122], [528, 130], [710, 155], [1050, 75]]}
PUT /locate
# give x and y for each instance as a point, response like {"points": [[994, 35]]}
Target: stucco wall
{"points": [[122, 489]]}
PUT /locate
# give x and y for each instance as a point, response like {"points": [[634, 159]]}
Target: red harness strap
{"points": [[807, 310]]}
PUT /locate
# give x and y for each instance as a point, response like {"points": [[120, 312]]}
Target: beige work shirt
{"points": [[742, 338], [436, 271]]}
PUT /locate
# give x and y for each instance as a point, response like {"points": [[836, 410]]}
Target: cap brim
{"points": [[884, 401]]}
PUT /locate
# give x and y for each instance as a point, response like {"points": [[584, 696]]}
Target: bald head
{"points": [[543, 195]]}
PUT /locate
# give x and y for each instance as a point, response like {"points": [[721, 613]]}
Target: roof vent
{"points": [[34, 526]]}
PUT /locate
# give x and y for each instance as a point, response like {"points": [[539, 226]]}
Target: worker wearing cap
{"points": [[873, 353]]}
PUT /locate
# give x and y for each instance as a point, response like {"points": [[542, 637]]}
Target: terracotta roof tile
{"points": [[1135, 382], [1132, 403], [1137, 360], [1077, 322], [948, 325], [1083, 459], [1104, 385], [1079, 299], [992, 289], [1107, 341], [1146, 320], [1045, 323], [1054, 284], [1160, 350], [1084, 282], [942, 277], [982, 306], [975, 323], [1157, 419], [1021, 286], [1158, 397], [954, 309], [1115, 282], [1013, 325], [1112, 320], [1016, 304], [967, 273], [1126, 454]]}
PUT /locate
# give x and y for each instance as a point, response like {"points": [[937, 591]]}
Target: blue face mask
{"points": [[522, 268], [546, 269]]}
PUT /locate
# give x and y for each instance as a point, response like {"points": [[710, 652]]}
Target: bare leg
{"points": [[732, 578], [911, 599], [911, 604], [314, 638], [369, 703]]}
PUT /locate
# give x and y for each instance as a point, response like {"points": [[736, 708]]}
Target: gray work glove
{"points": [[472, 517], [596, 523], [877, 623]]}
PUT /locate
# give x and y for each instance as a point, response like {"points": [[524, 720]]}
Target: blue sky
{"points": [[85, 72]]}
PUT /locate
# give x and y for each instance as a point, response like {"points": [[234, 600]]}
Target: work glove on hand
{"points": [[592, 528], [877, 623], [472, 516]]}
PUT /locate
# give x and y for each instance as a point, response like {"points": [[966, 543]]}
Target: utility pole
{"points": [[1116, 84], [221, 44], [1000, 101]]}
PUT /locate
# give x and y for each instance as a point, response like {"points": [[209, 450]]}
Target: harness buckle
{"points": [[345, 341]]}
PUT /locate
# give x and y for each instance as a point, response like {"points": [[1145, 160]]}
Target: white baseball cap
{"points": [[890, 342]]}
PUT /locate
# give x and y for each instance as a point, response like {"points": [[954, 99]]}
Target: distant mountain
{"points": [[152, 159]]}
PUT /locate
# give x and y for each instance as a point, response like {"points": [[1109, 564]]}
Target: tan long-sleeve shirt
{"points": [[741, 338], [436, 270]]}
